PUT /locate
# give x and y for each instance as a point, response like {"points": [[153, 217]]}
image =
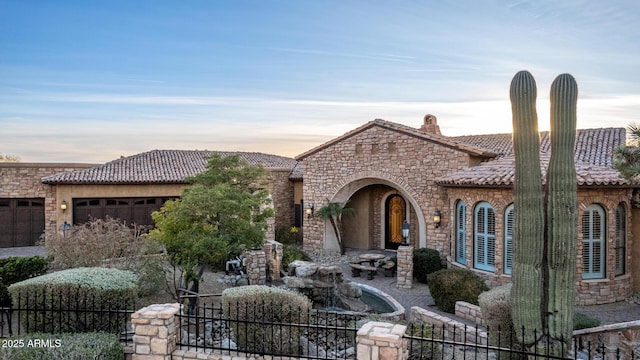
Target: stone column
{"points": [[156, 331], [381, 340], [273, 251], [405, 267], [256, 267]]}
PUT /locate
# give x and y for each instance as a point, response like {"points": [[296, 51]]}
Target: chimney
{"points": [[430, 125]]}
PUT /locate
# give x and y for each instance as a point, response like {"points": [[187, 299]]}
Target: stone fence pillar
{"points": [[405, 267], [156, 331], [256, 267], [381, 340]]}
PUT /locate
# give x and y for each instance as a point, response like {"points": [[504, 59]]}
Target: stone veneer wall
{"points": [[156, 331], [453, 329], [589, 292], [282, 193], [24, 180], [404, 272], [256, 267], [468, 311], [380, 156]]}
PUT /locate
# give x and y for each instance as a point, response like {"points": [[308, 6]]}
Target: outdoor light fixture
{"points": [[63, 206], [436, 218], [405, 231], [309, 211]]}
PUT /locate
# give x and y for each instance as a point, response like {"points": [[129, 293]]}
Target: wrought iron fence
{"points": [[466, 342], [71, 311], [309, 334]]}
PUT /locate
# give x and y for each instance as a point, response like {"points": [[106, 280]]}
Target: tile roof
{"points": [[160, 166], [297, 173], [501, 173], [593, 156], [594, 146]]}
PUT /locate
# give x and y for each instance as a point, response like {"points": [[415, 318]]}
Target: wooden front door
{"points": [[395, 215]]}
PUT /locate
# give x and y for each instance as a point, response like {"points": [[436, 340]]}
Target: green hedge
{"points": [[255, 312], [15, 269], [450, 285], [425, 262], [76, 300], [80, 346]]}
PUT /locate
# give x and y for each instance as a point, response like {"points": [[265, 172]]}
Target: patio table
{"points": [[371, 257]]}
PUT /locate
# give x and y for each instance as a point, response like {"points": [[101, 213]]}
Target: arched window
{"points": [[484, 235], [621, 237], [461, 232], [593, 242], [508, 239]]}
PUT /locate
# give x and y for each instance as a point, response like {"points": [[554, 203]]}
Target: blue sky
{"points": [[89, 81]]}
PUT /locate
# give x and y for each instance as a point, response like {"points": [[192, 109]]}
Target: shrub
{"points": [[64, 346], [291, 253], [112, 243], [425, 262], [76, 300], [423, 349], [16, 269], [582, 321], [255, 312], [287, 235], [450, 285], [495, 305]]}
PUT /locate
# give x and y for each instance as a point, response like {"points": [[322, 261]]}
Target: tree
{"points": [[333, 212], [9, 158], [627, 157], [221, 214]]}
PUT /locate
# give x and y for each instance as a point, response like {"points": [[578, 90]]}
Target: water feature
{"points": [[325, 286]]}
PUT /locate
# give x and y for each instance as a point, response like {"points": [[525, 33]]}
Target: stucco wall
{"points": [[610, 289], [70, 192], [378, 155]]}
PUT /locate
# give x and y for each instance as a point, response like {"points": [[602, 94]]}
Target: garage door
{"points": [[132, 210], [21, 222]]}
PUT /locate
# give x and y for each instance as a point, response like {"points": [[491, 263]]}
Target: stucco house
{"points": [[455, 193]]}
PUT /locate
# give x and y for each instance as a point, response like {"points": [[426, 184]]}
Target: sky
{"points": [[90, 81]]}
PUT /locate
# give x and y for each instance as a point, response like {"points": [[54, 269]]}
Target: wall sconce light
{"points": [[63, 206], [405, 232], [309, 211], [436, 218]]}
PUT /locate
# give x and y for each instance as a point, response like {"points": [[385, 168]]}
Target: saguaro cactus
{"points": [[562, 209], [545, 249], [528, 228]]}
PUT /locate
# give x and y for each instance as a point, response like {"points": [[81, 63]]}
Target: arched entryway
{"points": [[395, 215], [368, 227]]}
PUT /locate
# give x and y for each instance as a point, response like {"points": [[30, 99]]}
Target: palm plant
{"points": [[333, 212], [627, 157]]}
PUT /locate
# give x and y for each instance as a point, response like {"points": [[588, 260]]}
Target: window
{"points": [[508, 240], [621, 232], [461, 232], [484, 246], [593, 242]]}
